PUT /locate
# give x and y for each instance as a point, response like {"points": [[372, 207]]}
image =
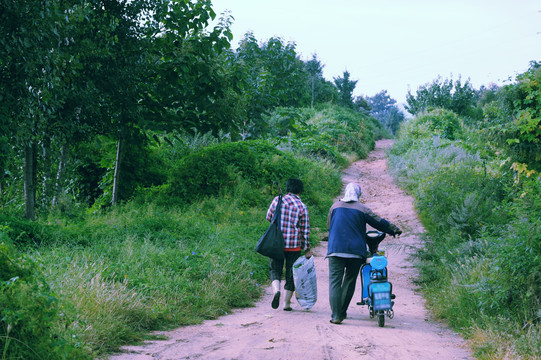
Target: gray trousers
{"points": [[343, 274]]}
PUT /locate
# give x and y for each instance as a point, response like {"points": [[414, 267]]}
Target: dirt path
{"points": [[263, 333]]}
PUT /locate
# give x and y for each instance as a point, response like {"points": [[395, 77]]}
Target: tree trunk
{"points": [[116, 178], [46, 179], [313, 80], [29, 183], [60, 174]]}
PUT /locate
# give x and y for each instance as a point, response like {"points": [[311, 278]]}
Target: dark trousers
{"points": [[343, 274], [277, 266]]}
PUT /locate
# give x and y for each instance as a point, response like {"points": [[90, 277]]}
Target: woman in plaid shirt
{"points": [[295, 226]]}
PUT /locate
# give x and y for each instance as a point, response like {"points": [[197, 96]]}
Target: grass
{"points": [[139, 267], [146, 269], [163, 260], [482, 261]]}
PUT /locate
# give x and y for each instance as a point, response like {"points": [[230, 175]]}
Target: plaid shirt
{"points": [[294, 221]]}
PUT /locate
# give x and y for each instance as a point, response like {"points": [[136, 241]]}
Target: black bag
{"points": [[271, 244]]}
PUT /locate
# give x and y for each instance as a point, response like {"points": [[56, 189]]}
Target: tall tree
{"points": [[170, 69], [158, 71], [315, 70], [384, 109], [345, 88], [381, 102], [515, 124], [274, 76], [78, 114], [73, 69], [29, 34], [322, 91], [127, 64], [190, 83], [288, 76], [446, 94]]}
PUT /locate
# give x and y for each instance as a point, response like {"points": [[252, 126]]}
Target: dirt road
{"points": [[263, 333]]}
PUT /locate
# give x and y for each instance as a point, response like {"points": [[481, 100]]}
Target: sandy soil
{"points": [[263, 333]]}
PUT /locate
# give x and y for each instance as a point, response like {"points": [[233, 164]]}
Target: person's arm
{"points": [[381, 224], [304, 224], [329, 216], [272, 209]]}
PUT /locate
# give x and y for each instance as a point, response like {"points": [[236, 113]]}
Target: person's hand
{"points": [[308, 254]]}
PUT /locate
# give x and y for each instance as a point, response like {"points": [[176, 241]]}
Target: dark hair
{"points": [[294, 186]]}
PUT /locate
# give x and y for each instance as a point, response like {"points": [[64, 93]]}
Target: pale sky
{"points": [[396, 45]]}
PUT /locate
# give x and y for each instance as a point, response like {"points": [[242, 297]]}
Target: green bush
{"points": [[32, 324], [482, 247], [513, 122], [285, 120], [217, 169], [517, 254], [170, 149], [318, 148], [207, 172], [438, 122], [24, 233], [347, 130], [459, 197], [321, 184]]}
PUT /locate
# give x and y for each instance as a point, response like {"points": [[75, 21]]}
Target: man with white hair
{"points": [[346, 250]]}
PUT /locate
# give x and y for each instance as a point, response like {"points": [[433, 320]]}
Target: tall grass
{"points": [[142, 266], [481, 264], [179, 252], [155, 268]]}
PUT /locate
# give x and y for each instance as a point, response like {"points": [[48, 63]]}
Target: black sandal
{"points": [[276, 300]]}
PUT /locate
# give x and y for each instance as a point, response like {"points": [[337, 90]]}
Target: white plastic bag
{"points": [[304, 275]]}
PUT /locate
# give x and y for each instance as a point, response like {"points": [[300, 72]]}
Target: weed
{"points": [[482, 252]]}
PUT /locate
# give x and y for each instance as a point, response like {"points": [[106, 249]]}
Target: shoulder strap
{"points": [[277, 211]]}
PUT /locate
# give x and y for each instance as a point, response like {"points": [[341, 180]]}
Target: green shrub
{"points": [[318, 148], [206, 172], [348, 131], [285, 120], [517, 257], [31, 319], [322, 183], [482, 247], [514, 121], [159, 195], [438, 122], [218, 169], [24, 233], [459, 197], [170, 149]]}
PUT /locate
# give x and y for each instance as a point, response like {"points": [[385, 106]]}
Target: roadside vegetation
{"points": [[138, 156], [139, 153], [472, 162], [174, 254]]}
